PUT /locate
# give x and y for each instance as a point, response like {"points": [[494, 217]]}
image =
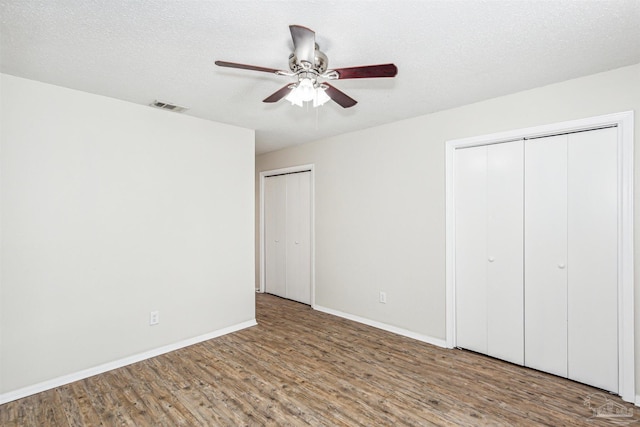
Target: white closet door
{"points": [[275, 196], [471, 248], [298, 231], [489, 233], [545, 223], [592, 262], [505, 198]]}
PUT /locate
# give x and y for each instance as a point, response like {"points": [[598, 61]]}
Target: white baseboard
{"points": [[86, 373], [637, 402], [400, 331]]}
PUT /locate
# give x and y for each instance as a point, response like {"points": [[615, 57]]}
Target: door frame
{"points": [[625, 123], [284, 171]]}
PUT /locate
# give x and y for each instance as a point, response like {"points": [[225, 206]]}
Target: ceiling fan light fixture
{"points": [[294, 97], [321, 97], [303, 92], [307, 91]]}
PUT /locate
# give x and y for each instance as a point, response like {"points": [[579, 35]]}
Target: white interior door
{"points": [[545, 237], [489, 272], [298, 231], [592, 258], [505, 287], [275, 197], [471, 248]]}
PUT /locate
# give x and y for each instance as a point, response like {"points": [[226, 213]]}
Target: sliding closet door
{"points": [[545, 236], [505, 198], [298, 231], [592, 258], [471, 248], [275, 198]]}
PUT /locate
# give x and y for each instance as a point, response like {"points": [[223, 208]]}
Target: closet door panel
{"points": [[275, 245], [592, 263], [505, 198], [298, 231], [471, 248], [545, 224]]}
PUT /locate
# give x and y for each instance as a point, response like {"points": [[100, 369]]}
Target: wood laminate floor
{"points": [[303, 367]]}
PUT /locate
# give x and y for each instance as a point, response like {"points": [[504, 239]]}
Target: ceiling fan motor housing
{"points": [[321, 62]]}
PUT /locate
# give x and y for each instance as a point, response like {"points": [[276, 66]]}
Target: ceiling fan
{"points": [[309, 65]]}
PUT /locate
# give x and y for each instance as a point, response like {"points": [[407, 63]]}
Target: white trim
{"points": [[385, 327], [625, 123], [637, 402], [281, 171], [626, 371], [86, 373]]}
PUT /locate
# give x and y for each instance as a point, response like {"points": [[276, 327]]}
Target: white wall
{"points": [[380, 197], [110, 210]]}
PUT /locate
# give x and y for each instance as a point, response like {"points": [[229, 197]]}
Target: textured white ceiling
{"points": [[448, 53]]}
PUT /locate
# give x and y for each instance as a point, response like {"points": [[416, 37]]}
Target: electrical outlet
{"points": [[154, 317], [383, 297]]}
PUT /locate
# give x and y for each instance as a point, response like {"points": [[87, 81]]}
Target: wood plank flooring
{"points": [[303, 367]]}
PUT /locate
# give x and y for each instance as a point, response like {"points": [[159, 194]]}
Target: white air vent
{"points": [[168, 106]]}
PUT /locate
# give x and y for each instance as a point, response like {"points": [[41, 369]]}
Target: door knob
{"points": [[491, 259], [297, 242], [276, 240], [561, 266]]}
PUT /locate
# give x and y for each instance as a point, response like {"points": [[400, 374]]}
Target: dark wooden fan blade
{"points": [[304, 43], [278, 95], [339, 97], [246, 67], [367, 71]]}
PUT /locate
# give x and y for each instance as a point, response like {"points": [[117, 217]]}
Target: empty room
{"points": [[327, 213]]}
